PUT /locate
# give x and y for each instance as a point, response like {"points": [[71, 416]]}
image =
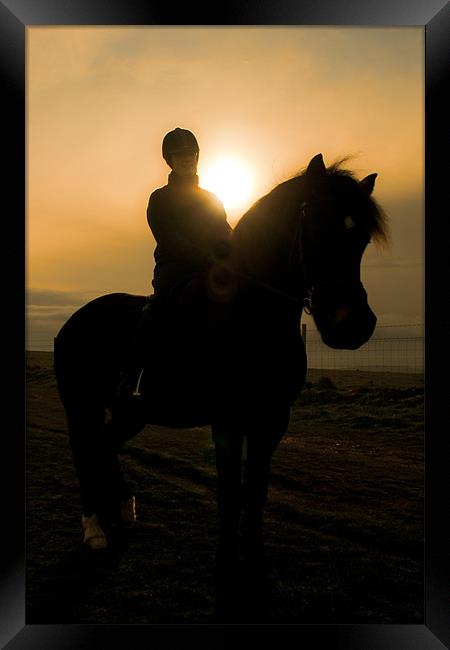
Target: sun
{"points": [[229, 178]]}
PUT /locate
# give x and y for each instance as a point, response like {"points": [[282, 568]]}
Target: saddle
{"points": [[181, 357]]}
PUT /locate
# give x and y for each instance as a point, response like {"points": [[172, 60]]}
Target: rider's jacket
{"points": [[189, 225]]}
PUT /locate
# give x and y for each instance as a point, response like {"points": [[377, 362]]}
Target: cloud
{"points": [[46, 313], [41, 315], [394, 263], [41, 299]]}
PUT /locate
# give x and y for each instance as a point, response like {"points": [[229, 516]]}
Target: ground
{"points": [[344, 521]]}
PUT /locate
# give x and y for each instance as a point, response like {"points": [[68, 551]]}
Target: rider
{"points": [[188, 223], [190, 228]]}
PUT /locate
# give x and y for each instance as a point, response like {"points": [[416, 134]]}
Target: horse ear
{"points": [[316, 167], [368, 183]]}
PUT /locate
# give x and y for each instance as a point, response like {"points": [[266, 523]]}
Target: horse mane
{"points": [[263, 236], [283, 200]]}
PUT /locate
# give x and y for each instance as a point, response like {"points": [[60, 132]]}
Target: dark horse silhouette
{"points": [[229, 353]]}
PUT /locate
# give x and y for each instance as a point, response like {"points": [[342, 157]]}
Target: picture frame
{"points": [[15, 17]]}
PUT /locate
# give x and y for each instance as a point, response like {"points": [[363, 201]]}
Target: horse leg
{"points": [[255, 489], [228, 448], [122, 426], [261, 445], [102, 487], [260, 448]]}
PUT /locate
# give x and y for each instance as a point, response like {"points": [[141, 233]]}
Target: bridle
{"points": [[308, 300], [309, 287]]}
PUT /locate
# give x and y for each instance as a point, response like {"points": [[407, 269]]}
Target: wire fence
{"points": [[392, 348]]}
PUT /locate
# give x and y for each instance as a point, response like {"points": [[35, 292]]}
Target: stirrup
{"points": [[137, 390], [125, 388]]}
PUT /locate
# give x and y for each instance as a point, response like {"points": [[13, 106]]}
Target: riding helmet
{"points": [[178, 140]]}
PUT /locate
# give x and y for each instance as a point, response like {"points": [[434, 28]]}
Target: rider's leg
{"points": [[133, 363]]}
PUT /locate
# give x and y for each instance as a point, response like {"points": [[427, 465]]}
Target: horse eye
{"points": [[349, 223]]}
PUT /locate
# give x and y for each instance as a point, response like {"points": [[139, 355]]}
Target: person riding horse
{"points": [[297, 248], [191, 231]]}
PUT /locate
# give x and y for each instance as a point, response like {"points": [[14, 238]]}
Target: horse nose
{"points": [[340, 314], [363, 326], [349, 329]]}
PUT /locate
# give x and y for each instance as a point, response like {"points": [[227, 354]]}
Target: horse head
{"points": [[338, 218]]}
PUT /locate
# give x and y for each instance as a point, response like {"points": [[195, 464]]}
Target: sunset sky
{"points": [[100, 100]]}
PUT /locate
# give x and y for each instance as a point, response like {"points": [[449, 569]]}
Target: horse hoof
{"points": [[94, 537], [128, 512]]}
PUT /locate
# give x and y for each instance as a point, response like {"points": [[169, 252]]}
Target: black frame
{"points": [[434, 16]]}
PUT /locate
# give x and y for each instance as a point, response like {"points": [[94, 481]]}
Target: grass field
{"points": [[344, 520]]}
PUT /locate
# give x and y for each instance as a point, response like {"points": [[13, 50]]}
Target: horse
{"points": [[298, 248]]}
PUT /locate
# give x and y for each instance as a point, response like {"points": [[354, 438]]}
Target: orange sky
{"points": [[99, 101]]}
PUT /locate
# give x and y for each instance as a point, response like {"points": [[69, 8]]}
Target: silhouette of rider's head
{"points": [[180, 151]]}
